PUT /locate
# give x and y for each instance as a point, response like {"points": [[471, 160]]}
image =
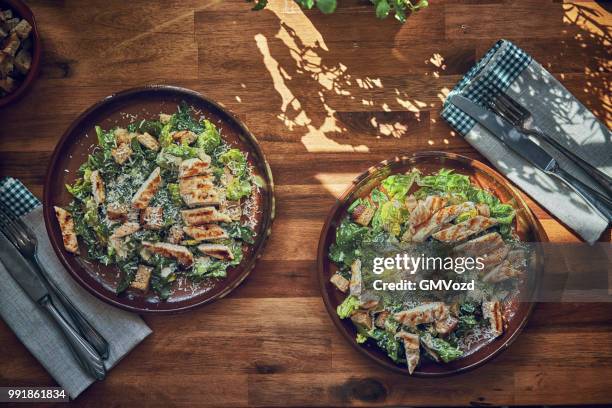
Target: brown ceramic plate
{"points": [[121, 109], [23, 11], [527, 226]]}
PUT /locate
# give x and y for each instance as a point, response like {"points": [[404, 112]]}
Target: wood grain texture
{"points": [[327, 96]]}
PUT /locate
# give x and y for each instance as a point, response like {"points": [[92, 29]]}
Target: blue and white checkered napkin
{"points": [[507, 68], [34, 327]]}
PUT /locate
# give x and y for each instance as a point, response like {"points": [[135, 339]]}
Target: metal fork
{"points": [[25, 241], [522, 118]]}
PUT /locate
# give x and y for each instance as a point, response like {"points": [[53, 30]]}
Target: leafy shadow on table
{"points": [[327, 101]]}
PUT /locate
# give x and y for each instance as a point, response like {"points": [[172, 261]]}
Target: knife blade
{"points": [[530, 151], [21, 271]]}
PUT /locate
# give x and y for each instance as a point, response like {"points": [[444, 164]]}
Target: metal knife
{"points": [[530, 151], [26, 277]]}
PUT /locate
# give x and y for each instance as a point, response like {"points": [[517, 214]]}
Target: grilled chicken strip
{"points": [[125, 229], [204, 215], [381, 318], [69, 236], [446, 326], [411, 344], [482, 245], [355, 283], [501, 272], [493, 313], [439, 219], [424, 210], [147, 190], [362, 318], [194, 167], [199, 190], [167, 250], [97, 187], [218, 251], [427, 313], [206, 232], [465, 229]]}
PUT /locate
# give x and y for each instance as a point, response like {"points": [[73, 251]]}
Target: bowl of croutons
{"points": [[20, 50]]}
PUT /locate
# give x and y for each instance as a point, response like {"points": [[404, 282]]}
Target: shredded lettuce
{"points": [[238, 188], [347, 307], [235, 230], [441, 348], [235, 160], [349, 238], [208, 268], [390, 216], [209, 139], [81, 188], [173, 189], [398, 185], [107, 141]]}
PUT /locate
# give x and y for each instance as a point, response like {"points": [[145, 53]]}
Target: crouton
{"points": [[6, 14], [23, 61], [204, 215], [167, 250], [148, 141], [184, 136], [8, 84], [121, 153], [152, 218], [11, 45], [22, 29], [10, 24], [142, 278], [340, 282], [66, 224], [175, 234], [117, 211], [122, 136], [362, 214], [218, 251], [147, 190]]}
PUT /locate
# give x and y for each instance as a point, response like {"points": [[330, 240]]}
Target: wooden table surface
{"points": [[327, 96]]}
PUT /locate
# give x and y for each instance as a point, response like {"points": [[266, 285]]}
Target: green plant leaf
{"points": [[382, 9], [326, 6]]}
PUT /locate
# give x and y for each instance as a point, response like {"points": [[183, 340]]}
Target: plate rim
{"points": [[48, 212], [322, 260]]}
